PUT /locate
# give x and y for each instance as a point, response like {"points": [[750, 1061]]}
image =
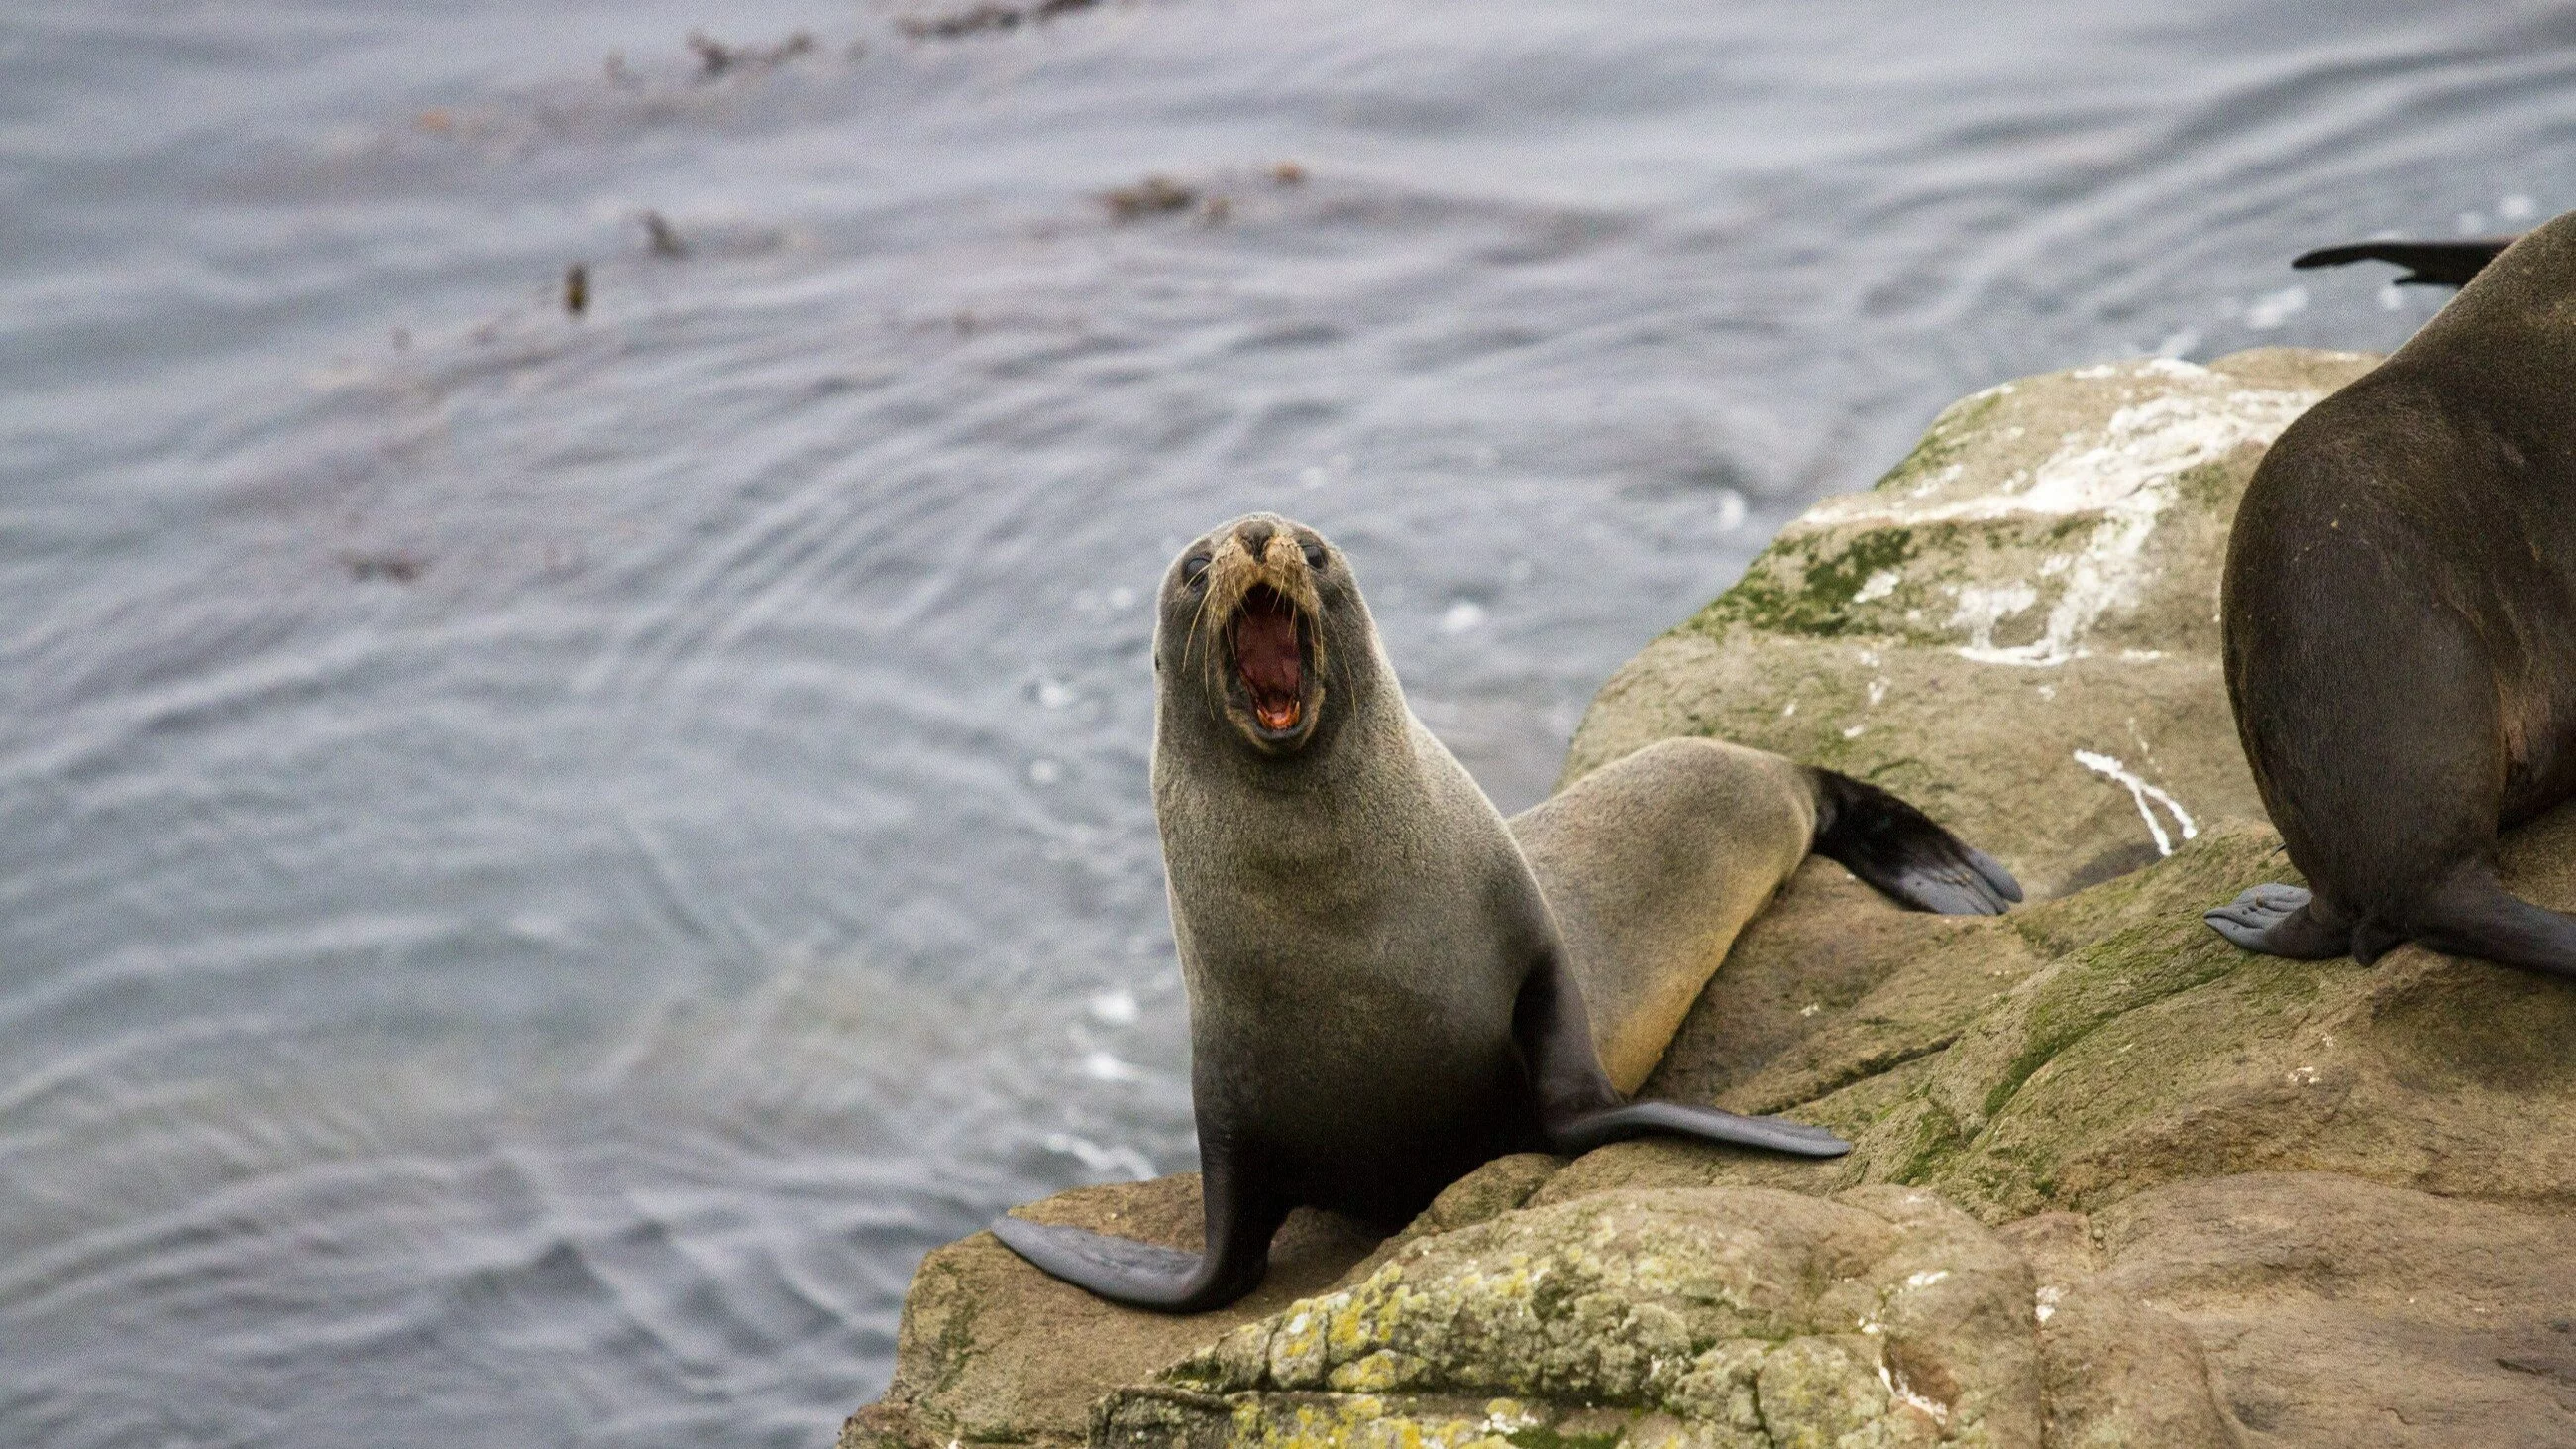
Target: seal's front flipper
{"points": [[1898, 849], [1673, 1119], [1578, 1108], [2428, 264], [2279, 920], [1143, 1275], [1115, 1268]]}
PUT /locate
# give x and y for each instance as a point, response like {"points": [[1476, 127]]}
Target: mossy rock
{"points": [[2015, 624], [1712, 1316]]}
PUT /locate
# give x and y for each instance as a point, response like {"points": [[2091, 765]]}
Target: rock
{"points": [[994, 1352], [2119, 1371], [2038, 578], [2337, 1311], [2074, 1053], [2114, 1182], [1711, 1316]]}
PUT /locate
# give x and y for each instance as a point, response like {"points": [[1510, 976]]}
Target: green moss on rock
{"points": [[1808, 591]]}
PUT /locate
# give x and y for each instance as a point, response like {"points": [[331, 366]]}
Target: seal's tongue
{"points": [[1265, 654]]}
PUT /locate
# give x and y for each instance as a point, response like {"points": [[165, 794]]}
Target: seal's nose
{"points": [[1256, 537]]}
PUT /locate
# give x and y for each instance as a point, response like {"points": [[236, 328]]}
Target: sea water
{"points": [[545, 859]]}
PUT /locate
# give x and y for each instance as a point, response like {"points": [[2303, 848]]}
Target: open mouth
{"points": [[1269, 643]]}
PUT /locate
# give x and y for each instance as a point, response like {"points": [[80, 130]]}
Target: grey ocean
{"points": [[545, 860]]}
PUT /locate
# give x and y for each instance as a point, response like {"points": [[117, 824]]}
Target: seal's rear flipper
{"points": [[2428, 264], [2472, 915], [1898, 849], [2279, 920], [1673, 1119]]}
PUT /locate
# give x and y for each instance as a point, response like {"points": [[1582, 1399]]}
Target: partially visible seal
{"points": [[1388, 984], [2399, 608], [2427, 263]]}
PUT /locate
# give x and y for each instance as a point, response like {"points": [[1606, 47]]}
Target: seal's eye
{"points": [[1315, 556], [1193, 566]]}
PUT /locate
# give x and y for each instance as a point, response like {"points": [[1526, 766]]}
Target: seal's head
{"points": [[1254, 616]]}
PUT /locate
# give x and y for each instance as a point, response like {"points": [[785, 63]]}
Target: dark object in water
{"points": [[576, 289], [662, 237], [985, 17], [960, 22], [2428, 263], [400, 568], [716, 58], [1146, 197]]}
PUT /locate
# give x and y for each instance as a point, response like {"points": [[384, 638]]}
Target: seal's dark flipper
{"points": [[1673, 1119], [2278, 920], [1579, 1110], [2472, 915], [2428, 264], [1123, 1270], [1898, 849], [1167, 1280], [1117, 1268]]}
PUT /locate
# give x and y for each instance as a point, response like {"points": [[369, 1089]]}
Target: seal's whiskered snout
{"points": [[1259, 623]]}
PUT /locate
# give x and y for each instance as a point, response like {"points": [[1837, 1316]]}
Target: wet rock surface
{"points": [[2114, 1182]]}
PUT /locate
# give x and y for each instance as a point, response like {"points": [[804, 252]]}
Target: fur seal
{"points": [[2399, 618], [1389, 984]]}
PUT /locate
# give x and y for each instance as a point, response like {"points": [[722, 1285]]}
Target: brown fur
{"points": [[2400, 623]]}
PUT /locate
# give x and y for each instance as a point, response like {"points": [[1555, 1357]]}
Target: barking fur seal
{"points": [[1388, 983]]}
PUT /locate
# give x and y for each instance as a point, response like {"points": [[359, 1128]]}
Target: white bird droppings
{"points": [[2126, 472], [1903, 1392], [2142, 792]]}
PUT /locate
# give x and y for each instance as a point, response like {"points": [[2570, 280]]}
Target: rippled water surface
{"points": [[545, 860]]}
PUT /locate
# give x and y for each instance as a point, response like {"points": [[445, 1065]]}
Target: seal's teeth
{"points": [[1269, 657]]}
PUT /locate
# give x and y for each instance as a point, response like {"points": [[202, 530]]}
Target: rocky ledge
{"points": [[2115, 1183]]}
